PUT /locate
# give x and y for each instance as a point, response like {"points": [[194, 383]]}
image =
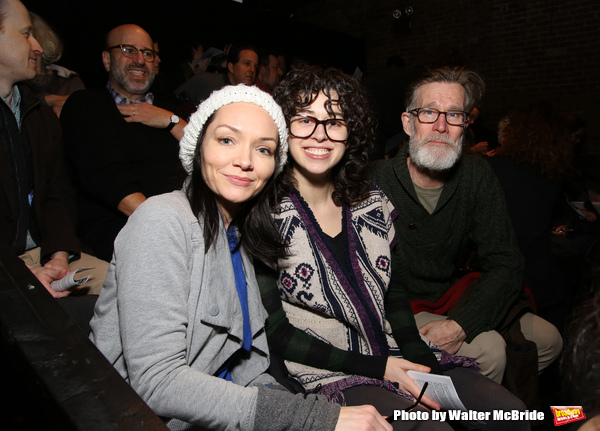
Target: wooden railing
{"points": [[51, 376]]}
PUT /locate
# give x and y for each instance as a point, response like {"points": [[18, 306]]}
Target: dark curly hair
{"points": [[536, 134], [297, 91]]}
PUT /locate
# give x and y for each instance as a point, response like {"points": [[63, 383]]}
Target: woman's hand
{"points": [[361, 418], [395, 371]]}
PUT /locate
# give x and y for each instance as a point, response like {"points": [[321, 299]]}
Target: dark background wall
{"points": [[527, 50], [82, 25]]}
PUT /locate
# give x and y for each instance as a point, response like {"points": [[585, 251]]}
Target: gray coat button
{"points": [[214, 310]]}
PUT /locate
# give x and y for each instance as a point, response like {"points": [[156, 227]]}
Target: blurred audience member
{"points": [[581, 184], [242, 68], [479, 139], [586, 165], [299, 61], [53, 82], [192, 64], [282, 64], [577, 131], [269, 71], [160, 86], [532, 164], [578, 230], [581, 360]]}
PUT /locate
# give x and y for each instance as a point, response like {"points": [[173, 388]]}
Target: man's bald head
{"points": [[132, 77], [123, 32]]}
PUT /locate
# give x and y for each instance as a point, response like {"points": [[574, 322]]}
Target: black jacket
{"points": [[53, 217]]}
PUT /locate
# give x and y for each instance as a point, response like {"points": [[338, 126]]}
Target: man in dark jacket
{"points": [[37, 207], [121, 143], [445, 202]]}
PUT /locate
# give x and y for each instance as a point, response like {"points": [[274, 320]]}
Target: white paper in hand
{"points": [[68, 281], [440, 389]]}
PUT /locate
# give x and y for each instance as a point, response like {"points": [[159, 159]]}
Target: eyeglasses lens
{"points": [[304, 127]]}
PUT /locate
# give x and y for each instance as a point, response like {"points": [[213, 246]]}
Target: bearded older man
{"points": [[447, 201]]}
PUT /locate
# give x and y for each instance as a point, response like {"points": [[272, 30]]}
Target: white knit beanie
{"points": [[220, 98]]}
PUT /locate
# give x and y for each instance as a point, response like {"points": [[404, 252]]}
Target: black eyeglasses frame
{"points": [[416, 111], [317, 123], [124, 46]]}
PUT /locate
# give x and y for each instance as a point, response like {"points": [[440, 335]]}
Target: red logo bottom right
{"points": [[566, 414]]}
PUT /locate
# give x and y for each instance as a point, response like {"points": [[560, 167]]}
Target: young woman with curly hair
{"points": [[329, 315], [336, 93]]}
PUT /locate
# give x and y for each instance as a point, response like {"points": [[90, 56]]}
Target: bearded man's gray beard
{"points": [[434, 157]]}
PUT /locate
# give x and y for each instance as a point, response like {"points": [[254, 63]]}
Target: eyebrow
{"points": [[238, 131], [232, 128], [269, 139], [139, 49], [435, 105], [311, 112]]}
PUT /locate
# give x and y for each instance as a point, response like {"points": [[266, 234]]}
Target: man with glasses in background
{"points": [[242, 68], [122, 143], [447, 201]]}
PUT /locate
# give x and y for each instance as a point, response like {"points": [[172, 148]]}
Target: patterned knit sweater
{"points": [[471, 209], [343, 321]]}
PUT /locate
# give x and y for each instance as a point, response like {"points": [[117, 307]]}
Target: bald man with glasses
{"points": [[121, 141]]}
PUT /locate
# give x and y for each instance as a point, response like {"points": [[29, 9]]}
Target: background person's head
{"points": [[269, 70], [157, 59], [242, 64], [131, 77], [19, 50], [300, 88], [48, 39], [195, 50], [53, 49], [233, 146], [538, 135], [282, 64], [577, 130]]}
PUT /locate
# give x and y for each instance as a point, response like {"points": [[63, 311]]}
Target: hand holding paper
{"points": [[441, 389], [68, 281]]}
